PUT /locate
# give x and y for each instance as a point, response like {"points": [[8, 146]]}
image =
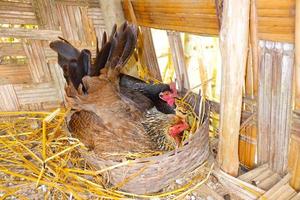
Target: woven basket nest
{"points": [[153, 173]]}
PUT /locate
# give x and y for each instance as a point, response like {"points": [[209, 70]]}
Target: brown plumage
{"points": [[104, 119]]}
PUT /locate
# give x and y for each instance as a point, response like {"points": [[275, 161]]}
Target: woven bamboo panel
{"points": [[275, 18], [30, 76], [17, 12]]}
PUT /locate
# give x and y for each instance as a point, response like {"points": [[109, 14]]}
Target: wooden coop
{"points": [[257, 139]]}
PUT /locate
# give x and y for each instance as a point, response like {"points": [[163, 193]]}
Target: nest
{"points": [[144, 174], [39, 159]]}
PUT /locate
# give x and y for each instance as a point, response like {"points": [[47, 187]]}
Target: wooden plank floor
{"points": [[276, 187]]}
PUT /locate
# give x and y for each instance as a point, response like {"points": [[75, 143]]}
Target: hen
{"points": [[104, 119], [162, 96]]}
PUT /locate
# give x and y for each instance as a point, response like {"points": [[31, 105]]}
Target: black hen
{"points": [[131, 87]]}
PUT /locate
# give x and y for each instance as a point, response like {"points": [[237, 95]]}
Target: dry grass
{"points": [[39, 159]]}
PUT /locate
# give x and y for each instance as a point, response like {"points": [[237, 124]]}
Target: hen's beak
{"points": [[161, 95]]}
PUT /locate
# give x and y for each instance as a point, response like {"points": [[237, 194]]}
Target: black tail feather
{"points": [[76, 73], [115, 51], [129, 47], [113, 32], [104, 39], [84, 61], [101, 59]]}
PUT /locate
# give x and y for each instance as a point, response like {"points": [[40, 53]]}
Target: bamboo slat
{"points": [[17, 17], [243, 189], [269, 182], [297, 55], [247, 145], [36, 93], [46, 14], [9, 99], [284, 193], [294, 161], [30, 33], [149, 54], [276, 187], [87, 24], [59, 81], [295, 122], [287, 4], [12, 49], [17, 5], [96, 16], [267, 173], [253, 173], [296, 197], [178, 60], [274, 109], [22, 13], [44, 105], [254, 44], [76, 16], [275, 18], [37, 61], [82, 3], [14, 74], [112, 13], [207, 191]]}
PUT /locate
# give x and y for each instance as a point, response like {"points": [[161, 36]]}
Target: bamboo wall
{"points": [[275, 108], [30, 77]]}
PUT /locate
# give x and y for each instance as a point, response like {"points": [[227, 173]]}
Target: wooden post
{"points": [[178, 60], [233, 42], [294, 161], [112, 12], [297, 55]]}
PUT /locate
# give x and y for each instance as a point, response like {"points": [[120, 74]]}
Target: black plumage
{"points": [[149, 90]]}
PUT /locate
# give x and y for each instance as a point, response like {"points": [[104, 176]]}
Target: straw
{"points": [[28, 156]]}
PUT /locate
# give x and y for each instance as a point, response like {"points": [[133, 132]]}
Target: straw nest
{"points": [[39, 159], [148, 173]]}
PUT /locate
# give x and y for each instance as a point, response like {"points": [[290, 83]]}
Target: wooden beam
{"points": [[178, 60], [294, 161], [235, 27], [275, 18]]}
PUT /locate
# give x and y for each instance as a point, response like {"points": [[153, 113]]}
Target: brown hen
{"points": [[105, 120]]}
